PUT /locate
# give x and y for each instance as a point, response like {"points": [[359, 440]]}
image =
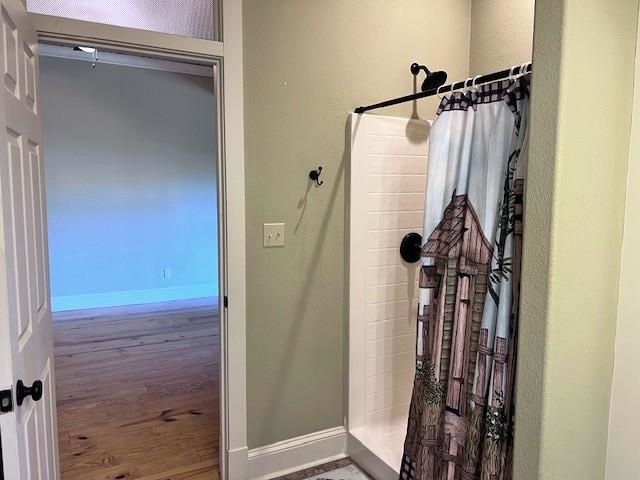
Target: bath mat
{"points": [[350, 472]]}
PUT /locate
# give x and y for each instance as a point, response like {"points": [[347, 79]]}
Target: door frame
{"points": [[226, 58]]}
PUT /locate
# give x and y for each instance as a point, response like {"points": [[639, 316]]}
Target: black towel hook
{"points": [[314, 175]]}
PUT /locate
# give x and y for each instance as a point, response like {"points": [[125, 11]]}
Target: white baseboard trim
{"points": [[132, 297], [237, 463], [297, 453]]}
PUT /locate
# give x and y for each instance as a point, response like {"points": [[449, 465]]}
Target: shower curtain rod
{"points": [[491, 77]]}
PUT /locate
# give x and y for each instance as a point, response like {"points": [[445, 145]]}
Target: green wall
{"points": [[575, 212], [501, 34], [624, 419], [308, 63]]}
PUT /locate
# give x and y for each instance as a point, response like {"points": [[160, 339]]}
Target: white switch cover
{"points": [[273, 234]]}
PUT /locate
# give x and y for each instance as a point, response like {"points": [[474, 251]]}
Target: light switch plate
{"points": [[273, 234]]}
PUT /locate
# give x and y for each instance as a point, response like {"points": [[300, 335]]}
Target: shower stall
{"points": [[387, 198], [472, 328]]}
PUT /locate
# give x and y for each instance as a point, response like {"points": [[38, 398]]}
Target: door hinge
{"points": [[6, 401], [225, 301]]}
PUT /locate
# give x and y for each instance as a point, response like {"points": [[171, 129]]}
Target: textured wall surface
{"points": [[130, 160], [307, 63], [573, 234], [501, 34], [623, 460]]}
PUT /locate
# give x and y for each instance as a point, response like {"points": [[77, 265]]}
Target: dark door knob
{"points": [[34, 391]]}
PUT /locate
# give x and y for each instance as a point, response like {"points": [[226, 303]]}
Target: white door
{"points": [[28, 433]]}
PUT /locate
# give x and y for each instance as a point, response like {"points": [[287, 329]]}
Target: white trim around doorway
{"points": [[110, 58], [67, 31], [226, 60]]}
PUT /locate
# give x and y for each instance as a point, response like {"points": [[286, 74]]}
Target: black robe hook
{"points": [[314, 175]]}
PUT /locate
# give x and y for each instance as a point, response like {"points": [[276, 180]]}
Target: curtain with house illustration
{"points": [[461, 414]]}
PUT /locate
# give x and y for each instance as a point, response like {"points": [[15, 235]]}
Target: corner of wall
{"points": [[501, 34], [576, 178], [623, 421]]}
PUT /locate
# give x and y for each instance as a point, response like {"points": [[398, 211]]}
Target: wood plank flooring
{"points": [[137, 392]]}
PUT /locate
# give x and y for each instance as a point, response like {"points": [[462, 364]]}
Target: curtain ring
{"points": [[466, 87], [523, 68], [473, 83], [438, 92], [512, 72]]}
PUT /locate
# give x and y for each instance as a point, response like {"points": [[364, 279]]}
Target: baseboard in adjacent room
{"points": [[132, 297], [297, 453]]}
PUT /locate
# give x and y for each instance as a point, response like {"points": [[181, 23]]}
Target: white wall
{"points": [[388, 170], [623, 461], [130, 159]]}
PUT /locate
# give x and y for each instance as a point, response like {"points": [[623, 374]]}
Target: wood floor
{"points": [[137, 392]]}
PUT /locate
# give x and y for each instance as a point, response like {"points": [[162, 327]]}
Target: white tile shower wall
{"points": [[388, 180]]}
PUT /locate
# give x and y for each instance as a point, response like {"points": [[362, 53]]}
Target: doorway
{"points": [[130, 148], [29, 428]]}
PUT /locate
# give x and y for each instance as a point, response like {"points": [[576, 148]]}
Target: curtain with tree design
{"points": [[461, 414]]}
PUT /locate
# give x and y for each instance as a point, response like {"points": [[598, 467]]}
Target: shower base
{"points": [[378, 449]]}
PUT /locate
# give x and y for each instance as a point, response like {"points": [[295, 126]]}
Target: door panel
{"points": [[16, 251], [29, 78], [40, 230], [10, 34], [48, 436], [29, 434], [28, 442], [29, 229]]}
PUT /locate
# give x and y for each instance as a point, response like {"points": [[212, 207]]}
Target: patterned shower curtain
{"points": [[461, 415]]}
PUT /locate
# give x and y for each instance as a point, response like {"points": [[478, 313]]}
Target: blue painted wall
{"points": [[131, 184]]}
